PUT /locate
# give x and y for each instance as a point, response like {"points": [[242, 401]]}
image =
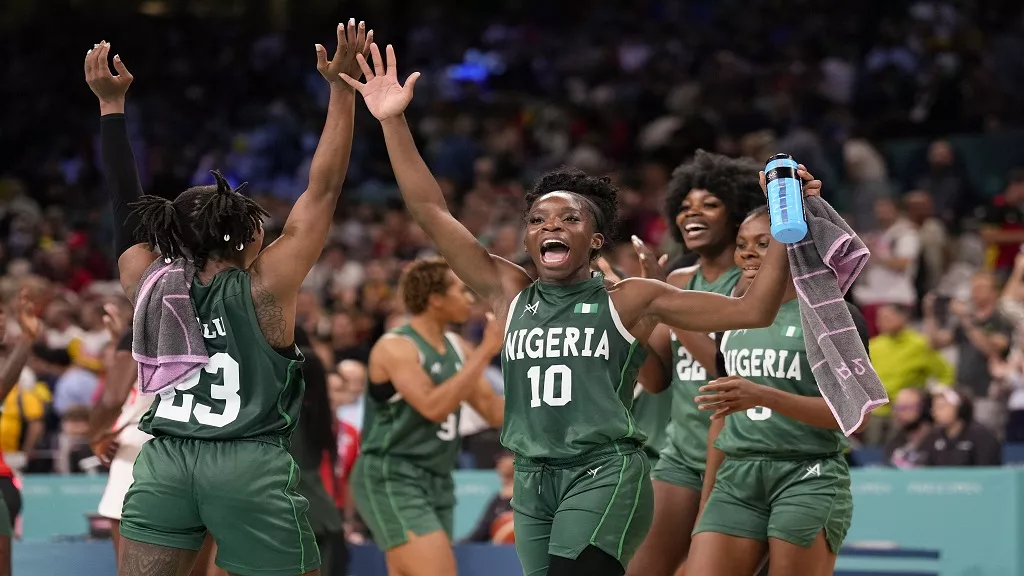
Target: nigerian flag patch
{"points": [[793, 331], [582, 308]]}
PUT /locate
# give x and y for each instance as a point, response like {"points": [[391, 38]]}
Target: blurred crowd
{"points": [[507, 94]]}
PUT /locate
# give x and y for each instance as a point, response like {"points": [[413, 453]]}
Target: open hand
{"points": [[352, 41], [384, 96], [651, 266], [28, 318], [729, 395], [107, 87], [811, 186]]}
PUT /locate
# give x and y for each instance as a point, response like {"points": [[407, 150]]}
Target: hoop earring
{"points": [[240, 247]]}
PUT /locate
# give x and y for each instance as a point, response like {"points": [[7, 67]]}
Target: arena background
{"points": [[906, 108]]}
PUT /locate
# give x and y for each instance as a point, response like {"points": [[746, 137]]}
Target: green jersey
{"points": [[247, 389], [391, 427], [775, 357], [688, 431], [652, 413], [569, 368]]}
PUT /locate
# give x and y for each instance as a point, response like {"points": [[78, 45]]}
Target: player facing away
{"points": [[582, 489], [219, 458], [420, 374], [776, 475], [708, 198]]}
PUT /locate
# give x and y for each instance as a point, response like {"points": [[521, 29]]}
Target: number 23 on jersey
{"points": [[181, 406]]}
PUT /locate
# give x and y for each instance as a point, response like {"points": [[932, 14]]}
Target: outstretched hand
{"points": [[352, 41], [651, 266], [107, 87], [811, 186], [384, 96]]}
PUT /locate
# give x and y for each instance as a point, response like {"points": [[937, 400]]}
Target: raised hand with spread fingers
{"points": [[384, 96]]}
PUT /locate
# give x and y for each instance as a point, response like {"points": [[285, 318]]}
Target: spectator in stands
{"points": [[1003, 225], [869, 182], [891, 271], [980, 332], [345, 340], [934, 237], [499, 506], [904, 359], [947, 184], [22, 425], [957, 439], [73, 384], [73, 441], [913, 419], [350, 393]]}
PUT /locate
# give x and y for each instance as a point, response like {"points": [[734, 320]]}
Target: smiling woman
{"points": [[584, 481]]}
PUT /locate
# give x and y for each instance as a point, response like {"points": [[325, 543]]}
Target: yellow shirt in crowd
{"points": [[33, 402], [906, 360]]}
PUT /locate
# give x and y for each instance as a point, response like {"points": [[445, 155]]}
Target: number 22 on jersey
{"points": [[181, 406]]}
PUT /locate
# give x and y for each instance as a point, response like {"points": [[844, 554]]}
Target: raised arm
{"points": [[279, 270], [121, 376], [119, 170], [489, 276]]}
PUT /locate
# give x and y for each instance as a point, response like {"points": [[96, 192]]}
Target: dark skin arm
{"points": [[279, 270], [494, 279], [714, 461], [111, 91], [643, 303], [489, 405], [31, 326], [655, 372], [121, 376], [733, 394], [397, 360]]}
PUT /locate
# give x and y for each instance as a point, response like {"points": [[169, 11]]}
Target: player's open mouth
{"points": [[694, 229], [750, 269], [554, 252]]}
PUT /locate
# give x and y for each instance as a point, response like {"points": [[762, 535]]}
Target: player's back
{"points": [[392, 428], [247, 389]]}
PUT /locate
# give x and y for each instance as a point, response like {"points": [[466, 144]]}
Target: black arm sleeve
{"points": [[122, 178]]}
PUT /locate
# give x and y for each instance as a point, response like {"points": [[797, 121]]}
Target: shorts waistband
{"points": [[784, 457], [274, 439], [626, 446]]}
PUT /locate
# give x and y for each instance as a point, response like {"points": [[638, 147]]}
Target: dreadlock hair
{"points": [[201, 224], [598, 193], [731, 180], [419, 280]]}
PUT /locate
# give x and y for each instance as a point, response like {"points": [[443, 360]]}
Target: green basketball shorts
{"points": [[241, 491], [602, 499], [673, 468], [395, 497], [792, 500]]}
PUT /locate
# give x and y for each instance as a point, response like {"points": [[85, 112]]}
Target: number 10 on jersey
{"points": [[557, 377]]}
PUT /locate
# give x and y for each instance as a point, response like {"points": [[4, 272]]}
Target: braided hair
{"points": [[598, 193], [203, 223]]}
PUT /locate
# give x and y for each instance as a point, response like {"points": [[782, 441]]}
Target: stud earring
{"points": [[227, 237]]}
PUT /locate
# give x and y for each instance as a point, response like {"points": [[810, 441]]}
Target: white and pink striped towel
{"points": [[824, 266]]}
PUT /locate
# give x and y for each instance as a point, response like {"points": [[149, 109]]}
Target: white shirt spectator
{"points": [[883, 284]]}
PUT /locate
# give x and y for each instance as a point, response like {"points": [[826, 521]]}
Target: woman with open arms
{"points": [[219, 458], [573, 348]]}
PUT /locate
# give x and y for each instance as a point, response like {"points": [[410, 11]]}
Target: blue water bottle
{"points": [[785, 199]]}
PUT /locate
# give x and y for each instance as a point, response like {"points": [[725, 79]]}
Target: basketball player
{"points": [[420, 373], [219, 460], [573, 347], [776, 476]]}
